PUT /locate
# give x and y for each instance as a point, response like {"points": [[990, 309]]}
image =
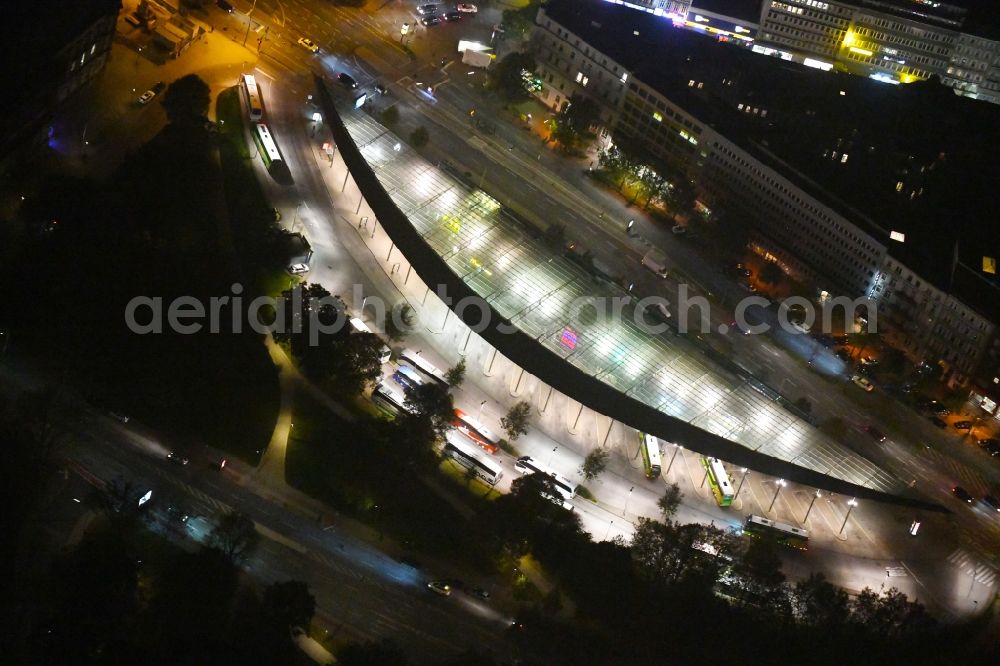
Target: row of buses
{"points": [[254, 101]]}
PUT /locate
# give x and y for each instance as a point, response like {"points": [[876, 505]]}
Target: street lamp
{"points": [[677, 447], [851, 503], [609, 529], [479, 414], [777, 489], [627, 499], [746, 473], [813, 501]]}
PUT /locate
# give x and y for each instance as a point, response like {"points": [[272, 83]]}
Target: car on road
{"points": [[844, 355], [940, 409], [298, 269], [869, 360], [962, 425], [428, 21], [380, 89], [679, 230], [962, 494], [875, 433], [428, 9], [481, 593], [467, 8], [347, 80], [123, 418], [992, 502], [862, 382], [145, 97], [741, 271], [176, 515], [991, 446], [452, 16], [177, 459], [308, 45], [224, 6], [439, 587], [938, 422]]}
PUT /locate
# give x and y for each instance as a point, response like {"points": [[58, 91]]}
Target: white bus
{"points": [[783, 533], [467, 457], [415, 359], [528, 465], [255, 104], [649, 446], [362, 327], [268, 148]]}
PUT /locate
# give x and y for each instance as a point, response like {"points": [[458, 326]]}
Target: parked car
{"points": [[741, 270], [840, 339], [467, 8], [158, 87], [427, 10], [679, 230], [484, 595], [145, 97], [439, 587], [224, 6], [962, 425], [938, 422], [991, 446], [869, 360], [428, 21], [298, 269], [380, 89], [862, 382], [452, 16], [992, 502], [941, 410], [177, 515], [308, 45], [875, 433], [347, 80], [962, 494]]}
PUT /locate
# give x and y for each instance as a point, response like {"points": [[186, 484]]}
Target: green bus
{"points": [[649, 446], [718, 479]]}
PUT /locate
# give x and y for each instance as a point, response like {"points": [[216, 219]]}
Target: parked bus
{"points": [[649, 446], [390, 397], [786, 535], [476, 431], [415, 359], [362, 327], [267, 147], [528, 465], [251, 92], [467, 457], [718, 479], [407, 377]]}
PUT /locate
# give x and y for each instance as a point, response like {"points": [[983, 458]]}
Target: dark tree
{"points": [[390, 116], [670, 501], [818, 603], [419, 137], [804, 405], [289, 604], [594, 464], [433, 403], [234, 536], [456, 374], [515, 423], [186, 100], [355, 361], [399, 322], [506, 77], [771, 273]]}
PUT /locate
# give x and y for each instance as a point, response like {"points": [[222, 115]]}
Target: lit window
{"points": [[843, 158], [899, 186], [624, 77], [691, 83]]}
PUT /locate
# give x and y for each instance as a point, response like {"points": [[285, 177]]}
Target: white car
{"points": [[467, 8], [308, 44], [862, 382], [146, 96], [679, 230], [298, 269]]}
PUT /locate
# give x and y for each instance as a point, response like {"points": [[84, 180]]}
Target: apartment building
{"points": [[894, 41], [58, 48], [844, 181]]}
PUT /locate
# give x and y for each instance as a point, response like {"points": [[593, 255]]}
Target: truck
{"points": [[656, 261], [477, 58]]}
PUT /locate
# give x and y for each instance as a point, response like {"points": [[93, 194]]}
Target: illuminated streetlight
{"points": [[851, 503], [777, 489], [813, 501]]}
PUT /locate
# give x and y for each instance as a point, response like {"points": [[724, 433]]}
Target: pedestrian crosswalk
{"points": [[206, 499], [972, 566]]}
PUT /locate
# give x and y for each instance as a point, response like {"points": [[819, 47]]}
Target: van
{"points": [[362, 327]]}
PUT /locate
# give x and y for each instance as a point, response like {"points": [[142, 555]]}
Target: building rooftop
{"points": [[919, 157], [744, 10]]}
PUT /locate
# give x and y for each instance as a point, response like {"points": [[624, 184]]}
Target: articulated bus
{"points": [[476, 431], [718, 479], [786, 535], [528, 465], [649, 446], [467, 457], [268, 148], [420, 363], [255, 104]]}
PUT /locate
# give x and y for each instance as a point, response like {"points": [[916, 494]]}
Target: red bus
{"points": [[476, 431]]}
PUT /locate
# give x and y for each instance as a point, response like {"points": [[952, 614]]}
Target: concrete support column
{"points": [[608, 433], [517, 383], [545, 403], [576, 421], [488, 371]]}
